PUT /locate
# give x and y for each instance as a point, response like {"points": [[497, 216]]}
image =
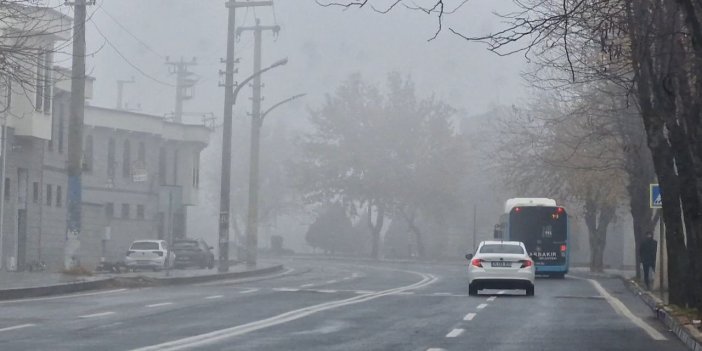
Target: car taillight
{"points": [[527, 263], [477, 262], [160, 253]]}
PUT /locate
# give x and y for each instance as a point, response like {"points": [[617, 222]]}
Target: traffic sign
{"points": [[654, 196]]}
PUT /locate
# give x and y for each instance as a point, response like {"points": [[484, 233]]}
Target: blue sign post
{"points": [[654, 196]]}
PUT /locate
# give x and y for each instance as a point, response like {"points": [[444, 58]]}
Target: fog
{"points": [[324, 46]]}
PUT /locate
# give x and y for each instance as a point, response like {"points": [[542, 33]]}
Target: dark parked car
{"points": [[193, 253]]}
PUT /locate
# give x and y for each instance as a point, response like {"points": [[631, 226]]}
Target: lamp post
{"points": [[226, 171], [252, 218]]}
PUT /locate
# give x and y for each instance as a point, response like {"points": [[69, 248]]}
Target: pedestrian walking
{"points": [[647, 254]]}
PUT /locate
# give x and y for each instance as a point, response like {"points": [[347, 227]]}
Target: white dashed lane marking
{"points": [[435, 349], [101, 314], [21, 326], [306, 285], [326, 291], [214, 297], [482, 305], [286, 289], [331, 281], [248, 291], [492, 298], [469, 317], [454, 333], [159, 304]]}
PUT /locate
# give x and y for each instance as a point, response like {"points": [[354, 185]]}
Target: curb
{"points": [[681, 331], [67, 288]]}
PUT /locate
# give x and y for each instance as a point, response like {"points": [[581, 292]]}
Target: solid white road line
{"points": [[501, 292], [364, 292], [159, 304], [454, 333], [101, 314], [285, 289], [215, 336], [17, 327], [63, 296], [621, 309], [482, 305], [306, 285], [491, 298], [214, 297], [248, 291], [469, 317]]}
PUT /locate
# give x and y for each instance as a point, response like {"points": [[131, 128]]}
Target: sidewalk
{"points": [[17, 285]]}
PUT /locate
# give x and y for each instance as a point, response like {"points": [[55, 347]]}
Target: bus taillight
{"points": [[563, 248]]}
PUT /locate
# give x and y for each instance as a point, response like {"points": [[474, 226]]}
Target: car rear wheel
{"points": [[530, 291], [472, 290]]}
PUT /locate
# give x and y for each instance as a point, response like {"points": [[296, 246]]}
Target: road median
{"points": [[121, 281]]}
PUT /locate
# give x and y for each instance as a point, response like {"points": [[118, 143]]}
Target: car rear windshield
{"points": [[185, 244], [144, 245], [502, 249]]}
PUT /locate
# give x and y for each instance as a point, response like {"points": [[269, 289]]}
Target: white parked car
{"points": [[149, 254], [500, 265]]}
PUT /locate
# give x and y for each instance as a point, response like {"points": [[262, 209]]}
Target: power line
{"points": [[127, 60], [143, 43]]}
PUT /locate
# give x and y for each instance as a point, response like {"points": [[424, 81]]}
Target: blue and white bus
{"points": [[543, 227]]}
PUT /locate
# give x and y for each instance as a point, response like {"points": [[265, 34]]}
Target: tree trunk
{"points": [[375, 228], [655, 108], [411, 223]]}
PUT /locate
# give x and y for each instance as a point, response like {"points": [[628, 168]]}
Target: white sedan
{"points": [[500, 265]]}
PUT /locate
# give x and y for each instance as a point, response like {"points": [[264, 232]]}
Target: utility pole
{"points": [[184, 84], [120, 90], [256, 122], [224, 194], [75, 135], [4, 163]]}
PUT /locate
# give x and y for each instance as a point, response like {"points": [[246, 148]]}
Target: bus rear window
{"points": [[501, 249]]}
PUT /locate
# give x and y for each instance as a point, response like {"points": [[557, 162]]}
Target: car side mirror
{"points": [[469, 256]]}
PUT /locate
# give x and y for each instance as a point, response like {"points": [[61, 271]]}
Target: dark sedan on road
{"points": [[193, 253]]}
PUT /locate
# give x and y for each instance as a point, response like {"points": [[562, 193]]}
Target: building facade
{"points": [[140, 172]]}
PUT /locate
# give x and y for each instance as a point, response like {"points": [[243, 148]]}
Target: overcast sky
{"points": [[324, 46]]}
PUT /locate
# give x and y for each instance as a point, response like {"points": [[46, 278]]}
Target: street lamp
{"points": [[252, 218], [227, 166]]}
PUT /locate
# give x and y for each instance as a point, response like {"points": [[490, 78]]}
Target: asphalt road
{"points": [[326, 305]]}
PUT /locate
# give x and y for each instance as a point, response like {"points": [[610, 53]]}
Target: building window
{"points": [[35, 192], [48, 195], [59, 200], [142, 152], [140, 211], [61, 128], [125, 211], [48, 58], [88, 154], [7, 189], [110, 210], [162, 165], [175, 167], [111, 158], [39, 93], [127, 159], [196, 169]]}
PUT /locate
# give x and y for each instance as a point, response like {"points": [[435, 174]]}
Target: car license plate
{"points": [[501, 264]]}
